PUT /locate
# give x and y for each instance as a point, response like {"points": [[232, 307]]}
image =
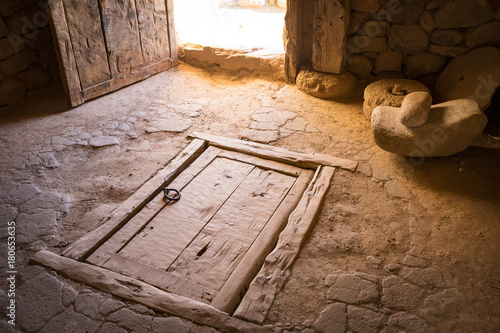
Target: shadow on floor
{"points": [[48, 100]]}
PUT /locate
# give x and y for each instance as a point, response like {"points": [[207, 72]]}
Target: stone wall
{"points": [[27, 55], [416, 37]]}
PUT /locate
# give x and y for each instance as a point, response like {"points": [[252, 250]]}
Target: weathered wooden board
{"points": [[291, 40], [234, 288], [329, 35], [262, 163], [302, 160], [277, 267], [87, 39], [166, 281], [171, 31], [119, 21], [64, 51], [126, 79], [80, 249], [174, 228], [219, 247], [153, 26], [146, 214], [140, 292]]}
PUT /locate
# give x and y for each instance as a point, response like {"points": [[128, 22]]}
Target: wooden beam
{"points": [[232, 291], [302, 160], [83, 247], [287, 169], [140, 292], [161, 279], [277, 267]]}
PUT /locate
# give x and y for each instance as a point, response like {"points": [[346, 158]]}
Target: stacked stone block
{"points": [[27, 56], [417, 37]]}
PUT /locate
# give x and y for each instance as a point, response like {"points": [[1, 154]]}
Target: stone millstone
{"points": [[324, 85], [415, 109], [379, 93], [474, 75], [452, 126]]}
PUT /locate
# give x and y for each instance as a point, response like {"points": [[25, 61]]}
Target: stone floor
{"points": [[402, 245]]}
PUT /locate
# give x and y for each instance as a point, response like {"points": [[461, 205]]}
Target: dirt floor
{"points": [[434, 225]]}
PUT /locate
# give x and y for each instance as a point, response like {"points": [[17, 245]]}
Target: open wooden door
{"points": [[104, 45]]}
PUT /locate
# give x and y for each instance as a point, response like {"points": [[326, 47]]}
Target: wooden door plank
{"points": [[329, 35], [87, 39], [232, 291], [173, 228], [277, 266], [80, 249], [171, 31], [161, 279], [126, 79], [143, 293], [143, 217], [302, 160], [262, 163], [153, 28], [221, 244], [65, 53], [119, 20], [291, 39]]}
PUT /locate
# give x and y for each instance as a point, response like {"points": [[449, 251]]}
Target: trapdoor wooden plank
{"points": [[218, 248], [162, 240]]}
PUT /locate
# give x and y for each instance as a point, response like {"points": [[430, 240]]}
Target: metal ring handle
{"points": [[176, 197]]}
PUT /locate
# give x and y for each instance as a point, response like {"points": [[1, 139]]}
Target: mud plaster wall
{"points": [[414, 38], [27, 55]]}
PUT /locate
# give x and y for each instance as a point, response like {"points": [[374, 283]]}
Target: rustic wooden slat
{"points": [[329, 34], [218, 248], [291, 40], [88, 243], [119, 21], [262, 163], [277, 266], [302, 160], [173, 228], [230, 294], [161, 279], [65, 53], [125, 79], [153, 29], [171, 32], [140, 292], [146, 214], [87, 39]]}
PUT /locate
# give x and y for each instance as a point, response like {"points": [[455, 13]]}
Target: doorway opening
{"points": [[250, 25]]}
